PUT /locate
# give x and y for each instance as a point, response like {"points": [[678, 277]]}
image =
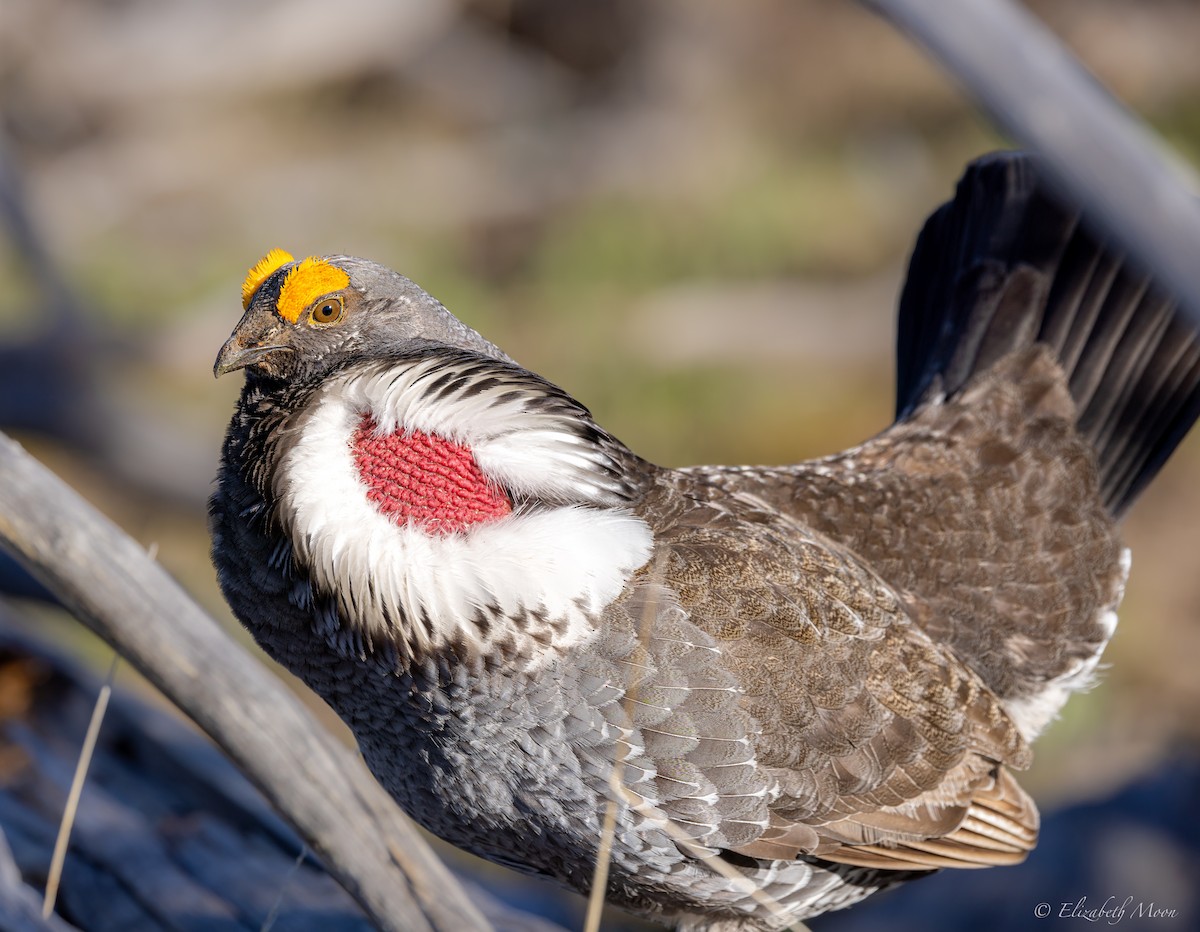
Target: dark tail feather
{"points": [[1003, 266]]}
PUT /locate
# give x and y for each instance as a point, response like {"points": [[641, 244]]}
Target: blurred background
{"points": [[693, 214]]}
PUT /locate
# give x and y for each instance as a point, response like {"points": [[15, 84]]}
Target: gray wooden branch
{"points": [[107, 580], [1037, 91]]}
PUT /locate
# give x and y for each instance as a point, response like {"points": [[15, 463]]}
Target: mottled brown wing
{"points": [[985, 509], [871, 737]]}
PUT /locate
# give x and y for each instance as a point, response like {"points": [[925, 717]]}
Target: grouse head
{"points": [[306, 319]]}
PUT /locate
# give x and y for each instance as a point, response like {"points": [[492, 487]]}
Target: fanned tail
{"points": [[1005, 265]]}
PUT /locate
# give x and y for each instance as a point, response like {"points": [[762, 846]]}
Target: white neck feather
{"points": [[534, 573]]}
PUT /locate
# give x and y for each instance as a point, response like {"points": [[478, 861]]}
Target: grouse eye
{"points": [[327, 311]]}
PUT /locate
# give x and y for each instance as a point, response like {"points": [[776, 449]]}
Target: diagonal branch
{"points": [[110, 584], [1103, 157]]}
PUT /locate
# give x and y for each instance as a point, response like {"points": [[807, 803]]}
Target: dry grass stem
{"points": [[603, 857], [54, 877], [278, 904], [622, 797]]}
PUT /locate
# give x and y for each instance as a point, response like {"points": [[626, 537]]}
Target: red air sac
{"points": [[426, 480]]}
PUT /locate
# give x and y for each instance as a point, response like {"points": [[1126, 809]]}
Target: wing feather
{"points": [[879, 747]]}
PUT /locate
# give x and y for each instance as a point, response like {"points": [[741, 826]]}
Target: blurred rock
{"points": [[592, 38]]}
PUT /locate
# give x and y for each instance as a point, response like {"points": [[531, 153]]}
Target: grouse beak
{"points": [[236, 355]]}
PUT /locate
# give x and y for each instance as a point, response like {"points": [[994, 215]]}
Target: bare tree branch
{"points": [[1102, 156], [106, 579]]}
